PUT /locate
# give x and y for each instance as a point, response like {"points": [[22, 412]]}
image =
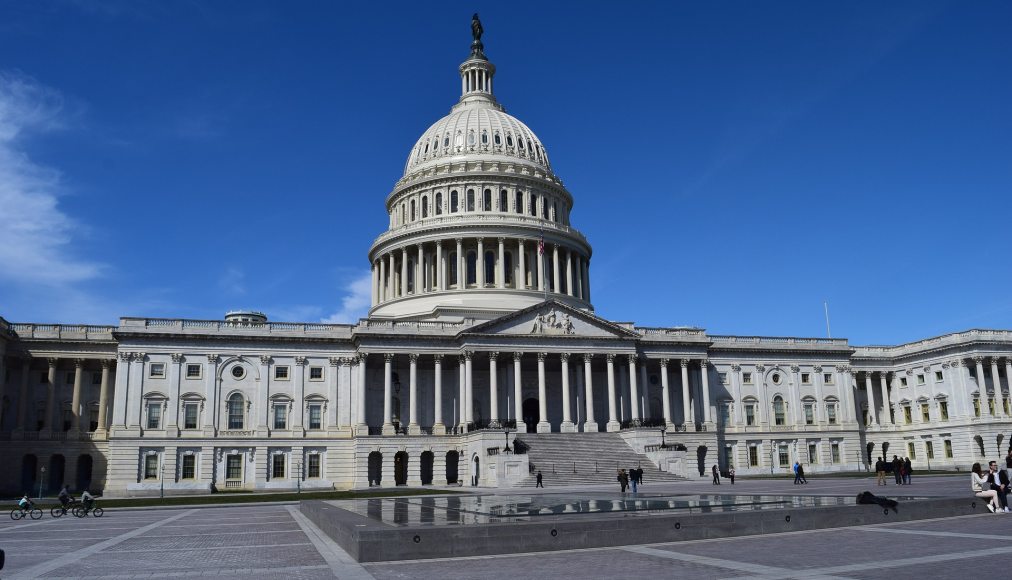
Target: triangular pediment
{"points": [[552, 318]]}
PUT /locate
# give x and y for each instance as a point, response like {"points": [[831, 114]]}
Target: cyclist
{"points": [[25, 503], [64, 497], [87, 500]]}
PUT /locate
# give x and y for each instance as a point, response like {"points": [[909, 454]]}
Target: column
{"points": [[382, 290], [645, 392], [981, 385], [461, 274], [569, 273], [555, 269], [388, 425], [210, 392], [413, 428], [666, 401], [999, 399], [586, 280], [1008, 373], [461, 395], [886, 405], [687, 418], [590, 424], [468, 387], [543, 425], [634, 392], [493, 389], [420, 271], [263, 411], [103, 396], [567, 425], [518, 408], [404, 271], [75, 424], [479, 264], [438, 428], [541, 267], [819, 399], [704, 369], [51, 394], [440, 267], [338, 391], [362, 426], [299, 396], [521, 280], [391, 288], [500, 270], [26, 369], [579, 276], [613, 424], [374, 273], [872, 407]]}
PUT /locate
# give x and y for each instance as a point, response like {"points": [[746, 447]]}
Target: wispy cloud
{"points": [[355, 302], [233, 281], [37, 236]]}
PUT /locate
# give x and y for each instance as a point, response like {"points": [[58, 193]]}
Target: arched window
{"points": [[470, 138], [439, 203], [412, 210], [453, 268], [404, 214], [411, 275], [470, 200], [778, 410], [508, 268], [519, 196], [426, 148], [544, 209], [453, 201], [503, 201], [487, 200], [497, 139], [458, 141], [425, 206], [520, 143], [235, 411], [509, 140], [490, 268], [484, 137], [555, 211], [446, 140], [529, 147], [472, 268], [532, 205]]}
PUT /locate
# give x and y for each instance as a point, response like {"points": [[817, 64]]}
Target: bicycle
{"points": [[59, 510], [80, 511], [19, 513]]}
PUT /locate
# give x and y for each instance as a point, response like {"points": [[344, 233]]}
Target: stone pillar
{"points": [[362, 425], [493, 390], [461, 395], [103, 397], [819, 398], [521, 280], [687, 417], [388, 425], [479, 264], [1008, 374], [210, 393], [391, 287], [374, 271], [500, 270], [440, 267], [387, 468], [569, 273], [590, 424], [382, 290], [438, 428], [586, 280], [75, 412], [999, 399], [704, 369], [26, 370], [461, 274], [541, 265], [518, 393], [420, 271], [872, 407], [981, 385], [439, 468], [47, 424], [556, 277], [567, 425], [613, 424], [468, 387], [634, 393], [413, 428], [665, 395], [404, 271], [886, 404], [543, 425]]}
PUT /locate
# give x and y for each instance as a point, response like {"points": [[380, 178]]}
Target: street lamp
{"points": [[161, 477], [298, 474], [506, 431], [41, 479], [663, 431]]}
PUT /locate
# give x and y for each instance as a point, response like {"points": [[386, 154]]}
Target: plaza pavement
{"points": [[276, 541]]}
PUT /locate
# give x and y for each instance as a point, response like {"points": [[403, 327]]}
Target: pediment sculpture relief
{"points": [[552, 323]]}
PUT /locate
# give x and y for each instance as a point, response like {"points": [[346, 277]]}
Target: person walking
{"points": [[539, 480], [801, 473], [716, 475], [982, 489], [730, 474], [908, 470], [897, 470], [623, 479], [634, 478], [797, 473], [880, 472]]}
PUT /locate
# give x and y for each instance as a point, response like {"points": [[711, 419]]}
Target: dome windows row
{"points": [[506, 201], [483, 141]]}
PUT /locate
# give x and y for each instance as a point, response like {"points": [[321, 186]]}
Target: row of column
{"points": [[25, 399], [466, 395], [430, 270]]}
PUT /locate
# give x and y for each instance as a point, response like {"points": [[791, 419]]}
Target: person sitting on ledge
{"points": [[867, 497], [982, 489]]}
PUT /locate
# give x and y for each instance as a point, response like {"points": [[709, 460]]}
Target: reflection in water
{"points": [[428, 511]]}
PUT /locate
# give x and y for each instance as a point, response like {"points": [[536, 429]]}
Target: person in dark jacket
{"points": [[716, 475], [880, 472], [623, 479], [897, 468], [907, 470], [539, 483]]}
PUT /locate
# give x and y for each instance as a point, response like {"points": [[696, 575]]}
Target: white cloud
{"points": [[355, 303], [233, 280], [36, 237]]}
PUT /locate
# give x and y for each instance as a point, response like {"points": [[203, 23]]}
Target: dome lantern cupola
{"points": [[476, 72]]}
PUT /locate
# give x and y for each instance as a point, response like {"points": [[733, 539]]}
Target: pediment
{"points": [[551, 318]]}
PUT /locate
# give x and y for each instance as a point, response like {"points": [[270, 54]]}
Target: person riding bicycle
{"points": [[25, 503], [64, 497], [87, 499]]}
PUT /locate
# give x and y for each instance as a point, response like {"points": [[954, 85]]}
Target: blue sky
{"points": [[734, 164]]}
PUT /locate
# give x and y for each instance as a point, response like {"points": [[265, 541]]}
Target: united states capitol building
{"points": [[482, 330]]}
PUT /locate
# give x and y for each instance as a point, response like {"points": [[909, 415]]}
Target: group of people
{"points": [[634, 477], [901, 470], [716, 474], [87, 500], [993, 485], [799, 473]]}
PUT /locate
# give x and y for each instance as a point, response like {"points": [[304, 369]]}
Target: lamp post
{"points": [[161, 477], [298, 475], [506, 431], [663, 444], [41, 479]]}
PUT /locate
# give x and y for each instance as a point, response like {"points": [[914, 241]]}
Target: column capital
{"points": [[963, 362], [124, 356], [817, 368], [53, 361], [79, 362], [684, 362], [664, 363], [587, 357], [735, 368], [502, 240], [335, 361], [517, 356], [177, 357], [439, 243], [413, 358], [760, 368], [564, 357], [361, 356], [632, 358], [795, 368], [542, 356], [106, 363], [387, 357], [703, 363], [300, 360], [978, 359], [459, 240], [438, 358], [467, 355], [493, 355], [610, 357], [265, 359], [212, 358], [140, 356]]}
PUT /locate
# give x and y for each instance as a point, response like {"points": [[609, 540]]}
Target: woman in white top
{"points": [[982, 489]]}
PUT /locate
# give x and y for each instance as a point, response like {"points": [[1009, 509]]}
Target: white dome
{"points": [[478, 129]]}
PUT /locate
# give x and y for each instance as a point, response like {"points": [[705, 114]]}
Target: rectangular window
{"points": [[156, 370], [750, 415], [277, 465], [313, 464], [827, 378], [943, 410], [316, 373], [834, 448], [948, 449], [722, 377], [190, 415], [784, 456], [911, 450], [233, 467], [725, 414], [315, 416], [903, 381], [925, 413], [806, 378], [929, 449], [193, 371], [809, 414], [281, 416], [746, 378], [281, 373], [907, 415], [831, 413], [813, 453], [155, 415], [753, 456], [938, 376], [150, 467], [189, 467], [920, 379]]}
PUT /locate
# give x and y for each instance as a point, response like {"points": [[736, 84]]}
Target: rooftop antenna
{"points": [[825, 305]]}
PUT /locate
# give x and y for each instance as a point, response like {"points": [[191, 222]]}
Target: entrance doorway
{"points": [[452, 457], [425, 465], [532, 414], [401, 468], [375, 468]]}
